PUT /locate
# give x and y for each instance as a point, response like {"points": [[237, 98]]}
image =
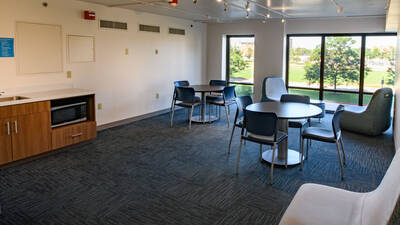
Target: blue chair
{"points": [[242, 102], [333, 135], [179, 83], [218, 83], [297, 123], [187, 99], [228, 98], [261, 128], [273, 87]]}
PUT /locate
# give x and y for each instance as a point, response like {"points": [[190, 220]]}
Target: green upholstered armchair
{"points": [[374, 120]]}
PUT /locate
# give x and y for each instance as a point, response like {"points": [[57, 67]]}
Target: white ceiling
{"points": [[213, 11]]}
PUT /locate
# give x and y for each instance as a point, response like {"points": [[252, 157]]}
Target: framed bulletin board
{"points": [[38, 48], [81, 48]]}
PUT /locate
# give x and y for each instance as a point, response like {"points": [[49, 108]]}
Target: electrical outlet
{"points": [[99, 106], [127, 51], [69, 74], [156, 51], [157, 96]]}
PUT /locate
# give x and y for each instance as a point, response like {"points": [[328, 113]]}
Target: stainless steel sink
{"points": [[12, 98]]}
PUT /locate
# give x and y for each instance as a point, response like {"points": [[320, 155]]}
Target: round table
{"points": [[203, 89], [285, 111]]}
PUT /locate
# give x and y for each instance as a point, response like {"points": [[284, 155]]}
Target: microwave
{"points": [[68, 114]]}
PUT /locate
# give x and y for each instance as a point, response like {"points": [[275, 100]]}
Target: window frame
{"points": [[227, 59], [323, 36]]}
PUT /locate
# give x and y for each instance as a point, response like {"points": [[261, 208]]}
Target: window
{"points": [[340, 68], [240, 63]]}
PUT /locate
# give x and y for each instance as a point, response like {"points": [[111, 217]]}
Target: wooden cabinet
{"points": [[25, 130], [72, 134], [32, 135], [5, 141]]}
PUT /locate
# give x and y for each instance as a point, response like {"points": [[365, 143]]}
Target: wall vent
{"points": [[149, 28], [176, 31], [113, 25]]}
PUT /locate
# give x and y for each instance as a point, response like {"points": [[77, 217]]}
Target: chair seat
{"points": [[189, 104], [218, 100], [319, 134], [297, 123], [214, 98], [266, 139]]}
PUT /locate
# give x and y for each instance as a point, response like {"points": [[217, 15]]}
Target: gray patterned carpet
{"points": [[148, 173]]}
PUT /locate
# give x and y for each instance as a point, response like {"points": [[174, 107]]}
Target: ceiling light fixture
{"points": [[225, 6], [219, 0], [283, 20], [248, 6], [247, 15], [340, 9], [173, 2], [268, 15], [194, 1]]}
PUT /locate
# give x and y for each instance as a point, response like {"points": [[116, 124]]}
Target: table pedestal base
{"points": [[293, 158], [197, 119]]}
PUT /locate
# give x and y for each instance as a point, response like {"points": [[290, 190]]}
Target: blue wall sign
{"points": [[6, 47]]}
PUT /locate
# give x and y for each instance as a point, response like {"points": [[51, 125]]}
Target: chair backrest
{"points": [[181, 83], [229, 93], [336, 121], [379, 204], [218, 83], [185, 94], [295, 98], [261, 123], [242, 102], [273, 87], [380, 107]]}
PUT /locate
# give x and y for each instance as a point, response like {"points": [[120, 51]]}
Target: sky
{"points": [[371, 41]]}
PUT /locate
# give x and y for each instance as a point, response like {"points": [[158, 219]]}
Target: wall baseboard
{"points": [[133, 119]]}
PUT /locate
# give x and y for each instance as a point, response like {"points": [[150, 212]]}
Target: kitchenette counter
{"points": [[45, 96]]}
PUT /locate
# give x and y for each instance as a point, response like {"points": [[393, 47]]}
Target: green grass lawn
{"points": [[373, 79], [345, 98], [246, 74]]}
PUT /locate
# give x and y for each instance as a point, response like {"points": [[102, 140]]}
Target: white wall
{"points": [[269, 48], [125, 84], [336, 25]]}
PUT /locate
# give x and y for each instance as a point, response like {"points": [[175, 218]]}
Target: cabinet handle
{"points": [[16, 126], [8, 128], [76, 135]]}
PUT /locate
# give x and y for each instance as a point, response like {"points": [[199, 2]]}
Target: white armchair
{"points": [[316, 204], [273, 87]]}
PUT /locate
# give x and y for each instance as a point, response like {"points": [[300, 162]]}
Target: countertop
{"points": [[46, 96]]}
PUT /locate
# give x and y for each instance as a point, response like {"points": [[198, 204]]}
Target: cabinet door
{"points": [[31, 134], [5, 141]]}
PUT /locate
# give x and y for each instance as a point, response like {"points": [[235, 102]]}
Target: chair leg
{"points": [[230, 141], [344, 155], [308, 146], [302, 152], [271, 176], [190, 117], [172, 115], [209, 113], [246, 136], [227, 114], [238, 158], [340, 160], [261, 151]]}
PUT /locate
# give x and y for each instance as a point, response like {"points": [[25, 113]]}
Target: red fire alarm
{"points": [[89, 15]]}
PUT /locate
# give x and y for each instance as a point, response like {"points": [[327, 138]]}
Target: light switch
{"points": [[127, 51], [156, 51], [69, 74], [99, 106], [157, 96]]}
